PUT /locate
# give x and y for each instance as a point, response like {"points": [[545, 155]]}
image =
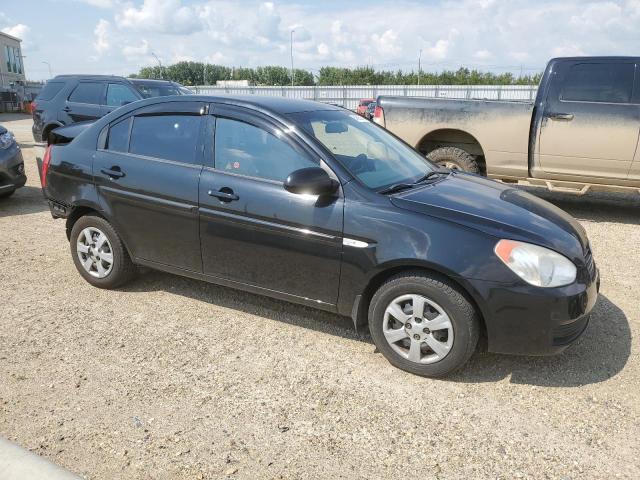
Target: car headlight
{"points": [[6, 140], [536, 265]]}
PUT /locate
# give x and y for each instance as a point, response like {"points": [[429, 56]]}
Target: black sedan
{"points": [[313, 204], [12, 174]]}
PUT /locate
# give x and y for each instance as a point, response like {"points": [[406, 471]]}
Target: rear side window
{"points": [[118, 94], [50, 90], [170, 137], [603, 83], [118, 140], [87, 92]]}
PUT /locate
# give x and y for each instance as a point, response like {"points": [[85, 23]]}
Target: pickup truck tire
{"points": [[453, 320], [454, 158]]}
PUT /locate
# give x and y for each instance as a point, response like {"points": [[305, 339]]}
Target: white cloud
{"points": [[20, 31], [100, 3], [160, 16], [136, 52], [102, 33], [482, 54]]}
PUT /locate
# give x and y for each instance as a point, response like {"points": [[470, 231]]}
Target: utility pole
{"points": [[48, 65], [159, 63], [292, 56], [419, 65], [204, 73]]}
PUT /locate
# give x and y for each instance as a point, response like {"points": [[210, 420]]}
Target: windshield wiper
{"points": [[396, 187]]}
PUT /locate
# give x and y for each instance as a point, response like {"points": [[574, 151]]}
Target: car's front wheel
{"points": [[424, 324], [98, 253]]}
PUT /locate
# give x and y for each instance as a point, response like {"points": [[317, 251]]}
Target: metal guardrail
{"points": [[349, 96]]}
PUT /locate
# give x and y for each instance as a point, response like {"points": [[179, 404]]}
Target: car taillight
{"points": [[33, 106], [378, 115], [45, 166]]}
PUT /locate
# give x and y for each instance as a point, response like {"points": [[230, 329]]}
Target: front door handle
{"points": [[113, 172], [225, 194], [561, 116]]}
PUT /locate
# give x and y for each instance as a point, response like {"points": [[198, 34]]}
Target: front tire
{"points": [[423, 324], [454, 158], [7, 194], [98, 253]]}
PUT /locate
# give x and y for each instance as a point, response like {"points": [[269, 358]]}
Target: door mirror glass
{"points": [[310, 181], [335, 127]]}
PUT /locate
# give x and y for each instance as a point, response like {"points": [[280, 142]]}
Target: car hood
{"points": [[498, 210]]}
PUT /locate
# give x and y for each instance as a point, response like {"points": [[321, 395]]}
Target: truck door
{"points": [[590, 123]]}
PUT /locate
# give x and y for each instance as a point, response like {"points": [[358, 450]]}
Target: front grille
{"points": [[589, 262], [567, 333]]}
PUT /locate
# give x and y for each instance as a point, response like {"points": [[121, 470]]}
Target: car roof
{"points": [[149, 80], [278, 105], [88, 77]]}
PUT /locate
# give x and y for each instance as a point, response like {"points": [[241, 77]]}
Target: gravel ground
{"points": [[154, 380]]}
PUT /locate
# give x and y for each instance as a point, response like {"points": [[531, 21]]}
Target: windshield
{"points": [[367, 151], [149, 90]]}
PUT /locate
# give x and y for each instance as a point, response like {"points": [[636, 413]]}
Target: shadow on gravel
{"points": [[601, 352], [24, 201], [597, 206], [598, 355], [250, 303]]}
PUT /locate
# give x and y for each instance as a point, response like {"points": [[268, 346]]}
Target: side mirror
{"points": [[311, 181]]}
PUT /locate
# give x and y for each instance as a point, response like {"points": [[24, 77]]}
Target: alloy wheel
{"points": [[418, 329], [94, 252]]}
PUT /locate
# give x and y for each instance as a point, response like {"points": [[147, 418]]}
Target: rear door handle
{"points": [[66, 109], [112, 172], [225, 194], [561, 116]]}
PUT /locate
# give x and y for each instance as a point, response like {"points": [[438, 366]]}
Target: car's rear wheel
{"points": [[98, 253], [423, 324], [455, 159]]}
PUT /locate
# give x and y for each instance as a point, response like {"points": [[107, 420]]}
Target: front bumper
{"points": [[12, 174], [527, 320]]}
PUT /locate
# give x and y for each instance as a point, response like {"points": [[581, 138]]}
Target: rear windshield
{"points": [[50, 90]]}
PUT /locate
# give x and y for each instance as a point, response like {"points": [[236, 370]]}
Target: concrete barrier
{"points": [[16, 463]]}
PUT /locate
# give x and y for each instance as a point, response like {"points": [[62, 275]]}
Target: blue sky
{"points": [[119, 36]]}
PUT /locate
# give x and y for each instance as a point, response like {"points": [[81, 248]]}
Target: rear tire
{"points": [[98, 253], [438, 304], [454, 158]]}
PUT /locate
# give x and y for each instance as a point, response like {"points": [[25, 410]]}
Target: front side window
{"points": [[169, 137], [118, 95], [248, 150], [371, 154], [599, 82], [87, 92]]}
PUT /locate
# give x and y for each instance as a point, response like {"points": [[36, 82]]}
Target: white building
{"points": [[11, 66]]}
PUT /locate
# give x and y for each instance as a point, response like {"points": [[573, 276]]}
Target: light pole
{"points": [[292, 56], [159, 64], [419, 66], [48, 65]]}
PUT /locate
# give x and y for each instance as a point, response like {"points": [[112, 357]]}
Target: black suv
{"points": [[314, 204], [68, 99]]}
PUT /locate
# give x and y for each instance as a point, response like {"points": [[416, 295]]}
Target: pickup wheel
{"points": [[454, 158]]}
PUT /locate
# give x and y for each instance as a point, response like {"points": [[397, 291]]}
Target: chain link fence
{"points": [[349, 96]]}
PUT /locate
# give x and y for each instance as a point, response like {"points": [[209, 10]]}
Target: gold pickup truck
{"points": [[580, 134]]}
